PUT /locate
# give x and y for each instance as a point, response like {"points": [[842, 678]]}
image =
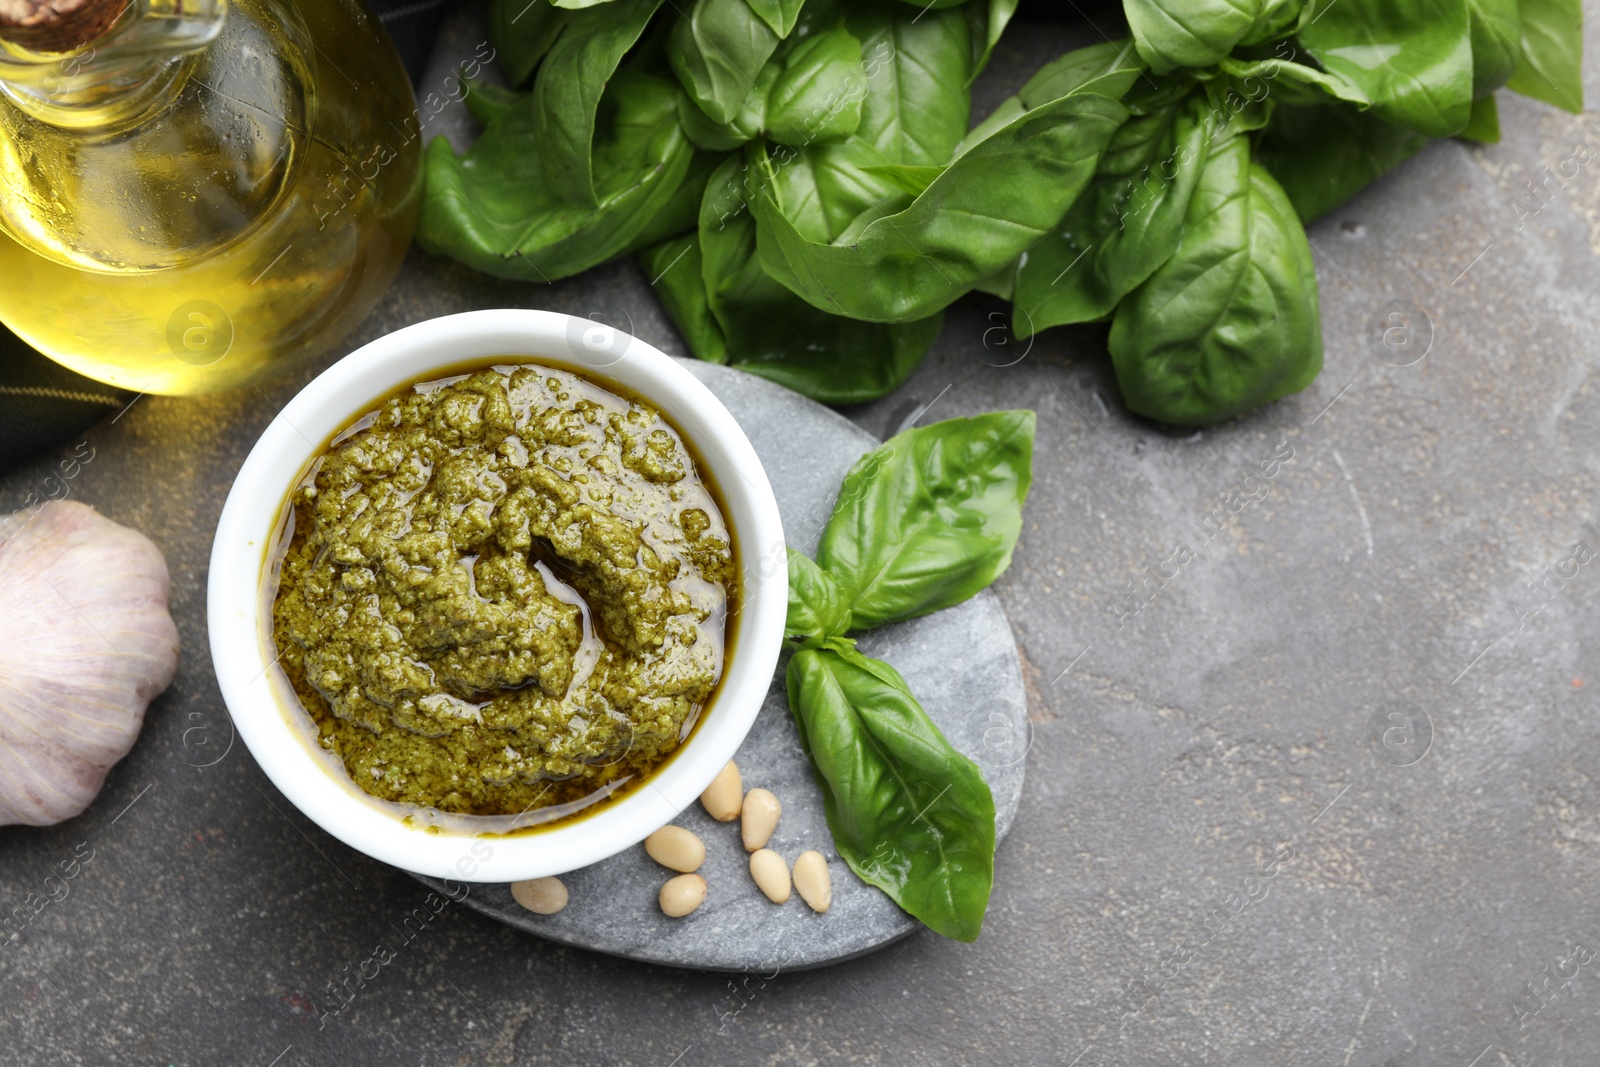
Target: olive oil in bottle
{"points": [[197, 193]]}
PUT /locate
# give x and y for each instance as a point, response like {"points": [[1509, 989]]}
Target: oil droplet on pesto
{"points": [[504, 591]]}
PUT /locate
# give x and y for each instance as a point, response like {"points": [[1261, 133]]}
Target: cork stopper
{"points": [[57, 25]]}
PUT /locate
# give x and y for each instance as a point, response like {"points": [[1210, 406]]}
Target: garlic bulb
{"points": [[85, 644]]}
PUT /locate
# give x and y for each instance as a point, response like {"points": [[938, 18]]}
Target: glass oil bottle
{"points": [[197, 193]]}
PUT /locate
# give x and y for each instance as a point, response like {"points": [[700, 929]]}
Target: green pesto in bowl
{"points": [[504, 591]]}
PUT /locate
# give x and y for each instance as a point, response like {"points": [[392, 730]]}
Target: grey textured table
{"points": [[1424, 904]]}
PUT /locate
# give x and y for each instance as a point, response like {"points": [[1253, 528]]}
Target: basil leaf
{"points": [[930, 517], [1230, 321], [829, 190], [986, 22], [1484, 126], [1005, 113], [674, 267], [488, 102], [1059, 77], [1076, 69], [715, 136], [1274, 18], [1412, 58], [567, 92], [681, 211], [1291, 83], [917, 107], [817, 606], [492, 210], [1552, 53], [779, 15], [1125, 225], [831, 359], [913, 181], [1323, 156], [522, 32], [909, 813], [1235, 110], [1198, 33], [1192, 34], [769, 331], [989, 206], [817, 98], [1496, 32], [717, 48], [1001, 283], [807, 93]]}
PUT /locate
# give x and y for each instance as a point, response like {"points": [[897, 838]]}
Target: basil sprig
{"points": [[930, 518], [921, 523], [807, 190], [909, 813]]}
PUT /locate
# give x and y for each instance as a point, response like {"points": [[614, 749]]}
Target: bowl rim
{"points": [[351, 386]]}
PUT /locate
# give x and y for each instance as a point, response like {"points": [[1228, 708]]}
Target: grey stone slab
{"points": [[962, 664]]}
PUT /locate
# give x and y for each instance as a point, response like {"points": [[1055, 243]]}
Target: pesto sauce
{"points": [[504, 591]]}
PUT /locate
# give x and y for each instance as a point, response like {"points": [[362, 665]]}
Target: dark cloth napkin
{"points": [[42, 404], [412, 25]]}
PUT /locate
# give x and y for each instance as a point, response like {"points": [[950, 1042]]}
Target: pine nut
{"points": [[542, 896], [761, 811], [812, 881], [724, 795], [677, 848], [682, 894], [771, 874]]}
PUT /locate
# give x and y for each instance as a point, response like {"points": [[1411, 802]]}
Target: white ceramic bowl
{"points": [[279, 732]]}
